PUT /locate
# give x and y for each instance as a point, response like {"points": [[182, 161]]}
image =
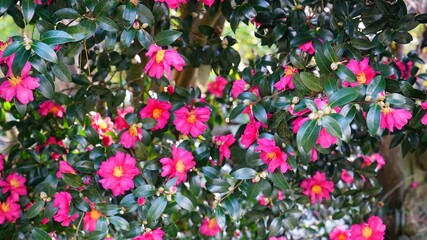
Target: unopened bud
{"points": [[27, 43], [320, 113], [48, 199], [299, 6], [327, 110], [247, 102], [247, 86], [194, 14], [381, 103], [224, 43], [263, 174], [144, 25], [136, 25], [368, 98], [43, 196], [256, 179], [295, 100], [313, 116], [418, 102], [334, 66]]}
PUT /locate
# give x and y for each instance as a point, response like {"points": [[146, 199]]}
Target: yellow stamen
{"points": [[134, 2], [387, 110], [271, 155], [157, 113], [361, 78], [14, 183], [3, 46], [341, 236], [212, 223], [5, 207], [95, 214], [118, 171], [54, 110], [316, 189], [180, 167], [14, 81], [192, 118], [133, 131], [289, 71], [160, 55], [367, 232], [102, 124]]}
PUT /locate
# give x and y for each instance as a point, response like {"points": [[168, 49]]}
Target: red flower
{"points": [[346, 177], [224, 143], [62, 201], [394, 118], [161, 61], [64, 167], [272, 155], [172, 3], [217, 87], [286, 81], [50, 107], [238, 87], [118, 172], [102, 126], [15, 184], [179, 165], [250, 134], [307, 47], [339, 233], [156, 234], [192, 121], [209, 227], [120, 122], [158, 110], [90, 219], [364, 73], [9, 211], [373, 230], [129, 137], [317, 187]]}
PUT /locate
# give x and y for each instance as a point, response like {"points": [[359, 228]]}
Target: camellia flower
{"points": [[209, 227], [90, 219], [394, 118], [158, 110], [277, 238], [3, 46], [250, 134], [405, 68], [120, 122], [364, 73], [272, 155], [172, 3], [307, 47], [9, 211], [156, 234], [179, 165], [263, 201], [238, 87], [50, 107], [62, 201], [20, 87], [217, 87], [101, 125], [325, 140], [286, 81], [118, 172], [51, 140], [368, 160], [339, 233], [140, 201], [1, 162], [424, 118], [346, 177], [224, 143], [64, 167], [15, 184], [317, 187], [129, 137], [373, 230], [162, 60], [192, 120]]}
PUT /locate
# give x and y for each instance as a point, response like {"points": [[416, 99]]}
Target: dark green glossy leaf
{"points": [[35, 209], [279, 180], [4, 5], [44, 51], [66, 13], [373, 119], [102, 8], [307, 135], [300, 39], [54, 37], [19, 61], [345, 74], [244, 173], [72, 180], [259, 113], [28, 9], [184, 202], [237, 111], [343, 96], [107, 24], [46, 87], [376, 86], [39, 234], [167, 37], [61, 71], [311, 81], [120, 223], [233, 207], [157, 208], [13, 48], [144, 191], [362, 44], [332, 126]]}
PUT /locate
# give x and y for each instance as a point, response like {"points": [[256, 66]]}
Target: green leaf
{"points": [[373, 119], [78, 33], [107, 24], [39, 234], [120, 223], [274, 227], [322, 61], [46, 87], [148, 123], [129, 13], [44, 51], [54, 37], [307, 135], [21, 58], [343, 96], [184, 202], [244, 173], [237, 111], [157, 209], [167, 37], [28, 9], [144, 191], [233, 207], [311, 81], [35, 209], [362, 44], [108, 209], [376, 86], [22, 108], [4, 5], [72, 180], [300, 39], [145, 15], [332, 126], [13, 48], [279, 180], [253, 190], [259, 113], [345, 74], [66, 13], [62, 72], [102, 8], [144, 38]]}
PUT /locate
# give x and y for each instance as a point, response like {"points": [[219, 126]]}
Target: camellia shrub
{"points": [[111, 136]]}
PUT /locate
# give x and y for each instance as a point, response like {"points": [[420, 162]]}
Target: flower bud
{"points": [[334, 66], [295, 100], [144, 25], [247, 102], [313, 116], [327, 110], [368, 98], [224, 43], [256, 179], [247, 86], [136, 25]]}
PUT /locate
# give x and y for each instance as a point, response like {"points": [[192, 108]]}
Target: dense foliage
{"points": [[108, 145]]}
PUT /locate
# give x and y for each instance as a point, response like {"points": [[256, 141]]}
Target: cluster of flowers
{"points": [[175, 3], [374, 229]]}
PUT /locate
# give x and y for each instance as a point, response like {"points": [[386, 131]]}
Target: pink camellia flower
{"points": [[250, 134], [405, 68], [373, 230], [120, 122], [90, 219], [272, 155], [107, 140], [339, 233], [307, 47], [217, 87], [209, 3], [192, 120], [238, 87], [141, 201], [62, 201], [286, 81], [414, 184], [224, 143], [129, 137], [9, 211], [64, 167], [172, 3], [51, 140], [317, 187], [3, 46], [364, 73], [15, 184], [156, 234], [346, 177], [277, 238], [178, 166], [20, 87], [394, 118], [424, 118], [162, 60], [39, 2], [50, 107], [263, 201], [101, 125], [118, 172], [158, 110], [1, 162], [325, 140], [209, 227], [368, 160]]}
